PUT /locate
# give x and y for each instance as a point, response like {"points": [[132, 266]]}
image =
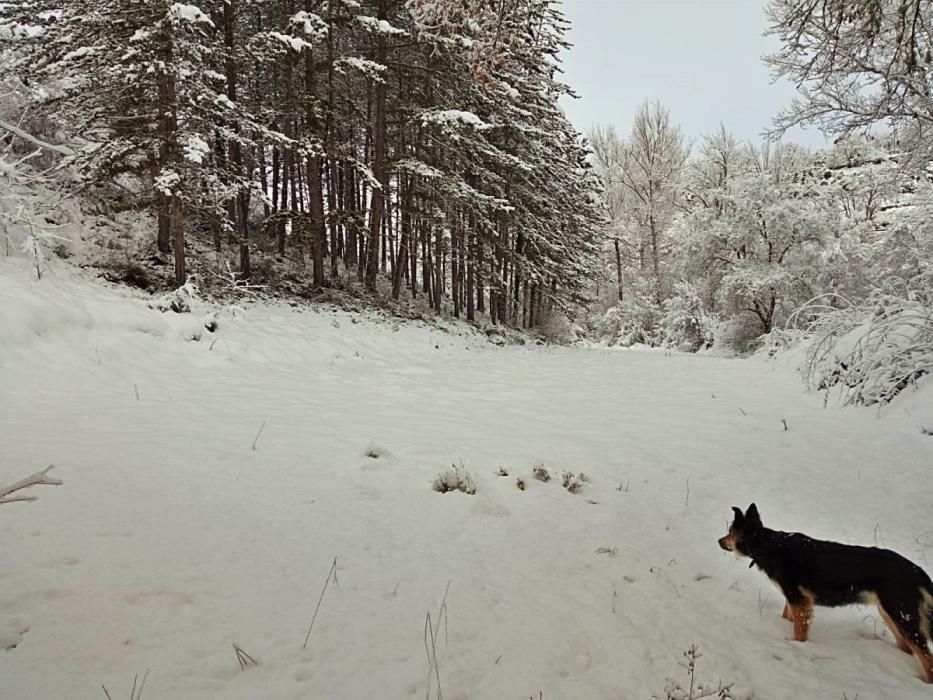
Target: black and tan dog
{"points": [[814, 572]]}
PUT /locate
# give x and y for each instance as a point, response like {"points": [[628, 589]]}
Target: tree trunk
{"points": [[238, 211], [168, 155], [619, 267], [401, 264], [377, 203], [655, 260], [438, 268], [315, 185], [470, 275], [178, 235], [164, 238], [271, 227], [284, 216], [329, 128], [480, 292]]}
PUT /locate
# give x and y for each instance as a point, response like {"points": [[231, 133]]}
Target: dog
{"points": [[813, 572]]}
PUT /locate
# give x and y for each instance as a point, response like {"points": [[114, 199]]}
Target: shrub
{"points": [[872, 351], [454, 479]]}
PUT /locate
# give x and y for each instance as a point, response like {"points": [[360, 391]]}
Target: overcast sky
{"points": [[700, 58]]}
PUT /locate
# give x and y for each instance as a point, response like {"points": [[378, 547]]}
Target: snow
{"points": [[418, 167], [196, 148], [371, 69], [79, 53], [166, 181], [295, 43], [379, 26], [309, 23], [188, 13], [210, 479], [454, 116]]}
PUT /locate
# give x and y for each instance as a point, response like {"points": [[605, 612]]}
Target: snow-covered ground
{"points": [[172, 538]]}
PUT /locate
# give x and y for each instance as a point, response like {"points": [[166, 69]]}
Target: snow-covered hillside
{"points": [[211, 479]]}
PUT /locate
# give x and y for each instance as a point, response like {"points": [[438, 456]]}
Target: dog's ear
{"points": [[751, 515], [739, 516]]}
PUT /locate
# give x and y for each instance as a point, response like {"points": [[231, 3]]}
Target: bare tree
{"points": [[856, 62], [609, 155], [653, 163]]}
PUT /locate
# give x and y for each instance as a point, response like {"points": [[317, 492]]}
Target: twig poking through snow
{"points": [[784, 421], [430, 643], [40, 478], [235, 282], [258, 434], [431, 650], [136, 389], [135, 692], [331, 573], [659, 570], [687, 497], [243, 658]]}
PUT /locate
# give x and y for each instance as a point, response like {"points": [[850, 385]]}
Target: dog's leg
{"points": [[898, 637], [803, 614], [787, 614], [926, 661]]}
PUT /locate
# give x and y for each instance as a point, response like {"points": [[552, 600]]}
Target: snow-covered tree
{"points": [[858, 63], [653, 163]]}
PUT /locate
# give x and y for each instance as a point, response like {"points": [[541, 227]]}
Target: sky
{"points": [[700, 58]]}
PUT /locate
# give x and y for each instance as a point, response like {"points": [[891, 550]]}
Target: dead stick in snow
{"points": [[37, 479], [258, 434], [332, 572], [244, 659]]}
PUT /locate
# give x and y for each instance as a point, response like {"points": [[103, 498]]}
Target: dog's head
{"points": [[742, 527]]}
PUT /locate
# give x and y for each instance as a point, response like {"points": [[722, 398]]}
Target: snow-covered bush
{"points": [[642, 321], [454, 479], [556, 328], [871, 351], [689, 325], [738, 336], [179, 301]]}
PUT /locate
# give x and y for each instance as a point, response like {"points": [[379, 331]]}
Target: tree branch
{"points": [[37, 479], [16, 131]]}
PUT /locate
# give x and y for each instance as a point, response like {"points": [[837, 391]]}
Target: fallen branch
{"points": [[16, 131], [40, 478]]}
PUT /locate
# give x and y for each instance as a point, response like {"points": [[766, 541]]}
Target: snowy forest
{"points": [[414, 146], [343, 363]]}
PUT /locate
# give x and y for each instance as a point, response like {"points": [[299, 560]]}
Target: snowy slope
{"points": [[172, 538]]}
